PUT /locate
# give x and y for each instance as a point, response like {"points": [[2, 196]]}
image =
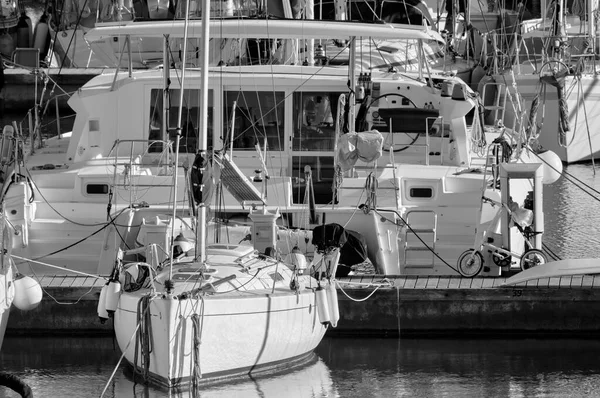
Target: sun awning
{"points": [[264, 28]]}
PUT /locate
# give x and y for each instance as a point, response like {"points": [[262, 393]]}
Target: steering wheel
{"points": [[555, 66], [389, 140]]}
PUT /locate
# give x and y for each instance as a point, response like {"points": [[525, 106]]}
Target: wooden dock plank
{"points": [[44, 280], [488, 283], [421, 282], [554, 282], [465, 283], [565, 281], [98, 282], [454, 283], [410, 283], [443, 283], [477, 283], [432, 282], [56, 281], [587, 281], [543, 282], [532, 283], [576, 281], [68, 281], [400, 282], [79, 281]]}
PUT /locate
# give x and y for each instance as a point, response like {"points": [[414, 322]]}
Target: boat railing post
{"points": [[232, 128], [57, 116], [31, 131], [352, 78], [112, 87], [130, 63]]}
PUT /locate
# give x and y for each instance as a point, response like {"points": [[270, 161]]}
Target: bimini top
{"points": [[264, 28]]}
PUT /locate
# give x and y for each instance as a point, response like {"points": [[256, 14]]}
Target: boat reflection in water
{"points": [[81, 366], [312, 379]]}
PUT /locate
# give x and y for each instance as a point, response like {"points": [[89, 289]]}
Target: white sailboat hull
{"points": [[239, 334], [583, 103], [7, 294]]}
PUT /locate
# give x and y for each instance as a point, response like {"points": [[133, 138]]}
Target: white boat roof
{"points": [[264, 28]]}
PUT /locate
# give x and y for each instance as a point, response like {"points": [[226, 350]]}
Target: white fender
{"points": [[332, 299], [113, 292], [28, 293], [102, 313], [322, 306]]}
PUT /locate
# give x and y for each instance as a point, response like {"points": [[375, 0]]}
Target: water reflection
{"points": [[571, 213], [311, 380], [349, 368], [463, 368], [81, 367]]}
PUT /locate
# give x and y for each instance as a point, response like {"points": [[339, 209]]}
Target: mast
{"points": [[202, 141], [178, 137]]}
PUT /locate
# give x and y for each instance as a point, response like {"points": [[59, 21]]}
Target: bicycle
{"points": [[470, 262]]}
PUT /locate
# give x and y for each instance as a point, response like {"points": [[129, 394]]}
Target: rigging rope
{"points": [[197, 324]]}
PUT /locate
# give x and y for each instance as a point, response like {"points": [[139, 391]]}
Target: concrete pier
{"points": [[407, 306]]}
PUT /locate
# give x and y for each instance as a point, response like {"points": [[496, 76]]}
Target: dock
{"points": [[376, 305]]}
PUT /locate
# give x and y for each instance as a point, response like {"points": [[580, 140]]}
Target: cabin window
{"points": [[96, 189], [276, 276], [314, 127], [421, 193], [259, 117], [94, 125], [190, 119]]}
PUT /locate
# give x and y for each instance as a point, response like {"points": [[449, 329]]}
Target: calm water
{"points": [[382, 368], [81, 367]]}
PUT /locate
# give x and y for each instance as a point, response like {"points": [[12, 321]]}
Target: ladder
{"points": [[424, 236]]}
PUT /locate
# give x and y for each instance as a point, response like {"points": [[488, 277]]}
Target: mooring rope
{"points": [[143, 340], [197, 325]]}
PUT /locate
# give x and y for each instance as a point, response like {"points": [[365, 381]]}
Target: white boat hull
{"points": [[7, 294], [583, 102], [556, 269], [239, 334]]}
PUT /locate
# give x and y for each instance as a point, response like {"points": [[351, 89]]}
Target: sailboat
{"points": [[219, 311], [69, 22], [548, 82]]}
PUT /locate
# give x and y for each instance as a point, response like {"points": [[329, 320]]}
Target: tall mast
{"points": [[179, 129], [202, 142]]}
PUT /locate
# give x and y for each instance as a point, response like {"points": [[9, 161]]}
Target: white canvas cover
{"points": [[366, 146]]}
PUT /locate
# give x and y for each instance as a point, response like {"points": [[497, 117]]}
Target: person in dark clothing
{"points": [[450, 5]]}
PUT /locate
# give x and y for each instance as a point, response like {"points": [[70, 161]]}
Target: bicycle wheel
{"points": [[532, 258], [470, 263]]}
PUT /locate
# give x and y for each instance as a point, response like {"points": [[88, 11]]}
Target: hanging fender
{"points": [[102, 313], [113, 292], [332, 300], [322, 306]]}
